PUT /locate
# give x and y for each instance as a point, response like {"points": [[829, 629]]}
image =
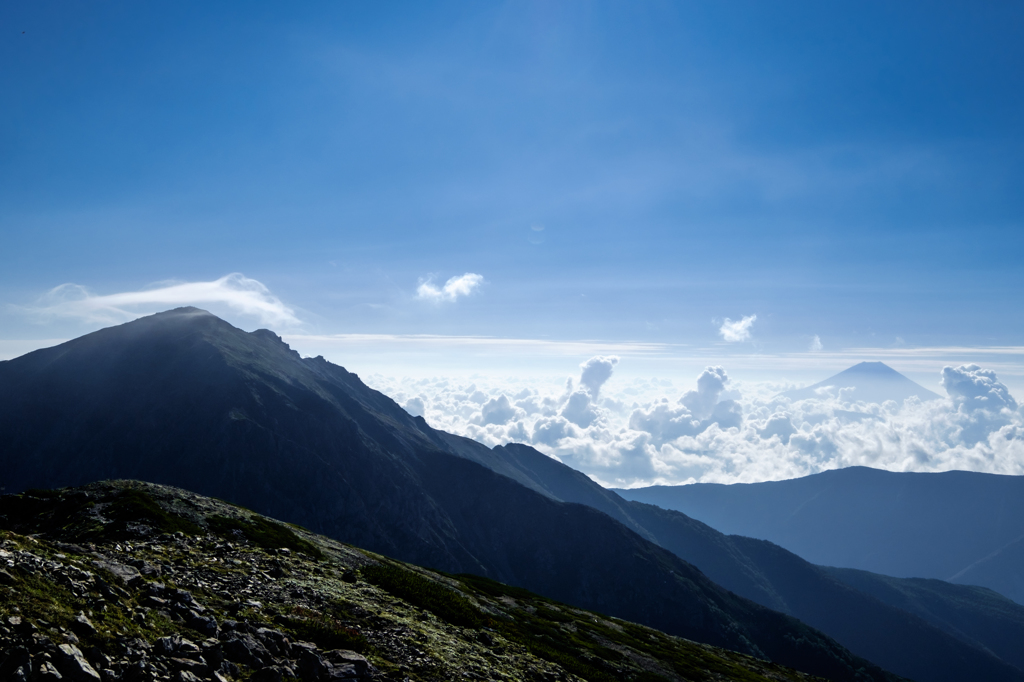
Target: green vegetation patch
{"points": [[136, 506], [263, 533], [493, 588], [443, 602], [325, 630], [582, 642], [541, 633]]}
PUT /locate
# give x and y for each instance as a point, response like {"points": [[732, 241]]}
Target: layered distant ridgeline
{"points": [[184, 398], [958, 526]]}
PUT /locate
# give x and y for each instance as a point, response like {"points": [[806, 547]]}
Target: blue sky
{"points": [[613, 172]]}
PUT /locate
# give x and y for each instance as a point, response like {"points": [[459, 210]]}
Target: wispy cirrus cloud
{"points": [[238, 292], [455, 287], [739, 330]]}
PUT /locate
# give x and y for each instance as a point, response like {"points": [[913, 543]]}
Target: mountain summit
{"points": [[869, 382], [184, 398]]}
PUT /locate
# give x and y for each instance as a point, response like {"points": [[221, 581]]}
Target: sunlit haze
{"points": [[614, 231]]}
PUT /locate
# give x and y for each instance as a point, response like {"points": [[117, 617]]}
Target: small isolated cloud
{"points": [[463, 285], [244, 295], [737, 331], [815, 344]]}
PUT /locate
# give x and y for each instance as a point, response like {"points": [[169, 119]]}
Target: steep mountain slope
{"points": [[185, 399], [909, 642], [133, 581], [870, 382], [959, 526], [975, 615]]}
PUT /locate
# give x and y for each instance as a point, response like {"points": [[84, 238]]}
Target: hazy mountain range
{"points": [[958, 526], [183, 398]]}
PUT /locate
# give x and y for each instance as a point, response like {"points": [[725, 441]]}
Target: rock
{"points": [[198, 668], [311, 665], [73, 665], [110, 592], [275, 641], [82, 626], [213, 653], [6, 578], [16, 659], [245, 649], [165, 646], [188, 648], [126, 574], [97, 658], [345, 665], [186, 676], [154, 602], [139, 671], [187, 599], [47, 672], [206, 625], [268, 674]]}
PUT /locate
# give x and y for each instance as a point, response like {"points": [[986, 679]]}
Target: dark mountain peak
{"points": [[269, 335], [183, 311], [870, 382]]}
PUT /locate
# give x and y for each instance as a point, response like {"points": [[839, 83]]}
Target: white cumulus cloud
{"points": [[596, 371], [739, 330], [644, 432], [240, 293], [976, 388], [815, 344], [463, 285]]}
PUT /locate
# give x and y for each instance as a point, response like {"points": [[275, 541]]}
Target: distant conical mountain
{"points": [[869, 382]]}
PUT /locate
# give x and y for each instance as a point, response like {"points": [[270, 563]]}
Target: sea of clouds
{"points": [[646, 431]]}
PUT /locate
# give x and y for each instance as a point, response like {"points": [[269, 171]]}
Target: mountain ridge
{"points": [[951, 525], [185, 399]]}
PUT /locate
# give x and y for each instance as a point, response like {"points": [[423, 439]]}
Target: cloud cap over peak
{"points": [[242, 294]]}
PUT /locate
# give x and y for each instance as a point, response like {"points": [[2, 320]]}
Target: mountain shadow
{"points": [[959, 526], [185, 399], [905, 636]]}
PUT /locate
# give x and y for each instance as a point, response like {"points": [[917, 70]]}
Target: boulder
{"points": [[73, 665]]}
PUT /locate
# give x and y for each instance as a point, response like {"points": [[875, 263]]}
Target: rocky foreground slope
{"points": [[133, 581]]}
